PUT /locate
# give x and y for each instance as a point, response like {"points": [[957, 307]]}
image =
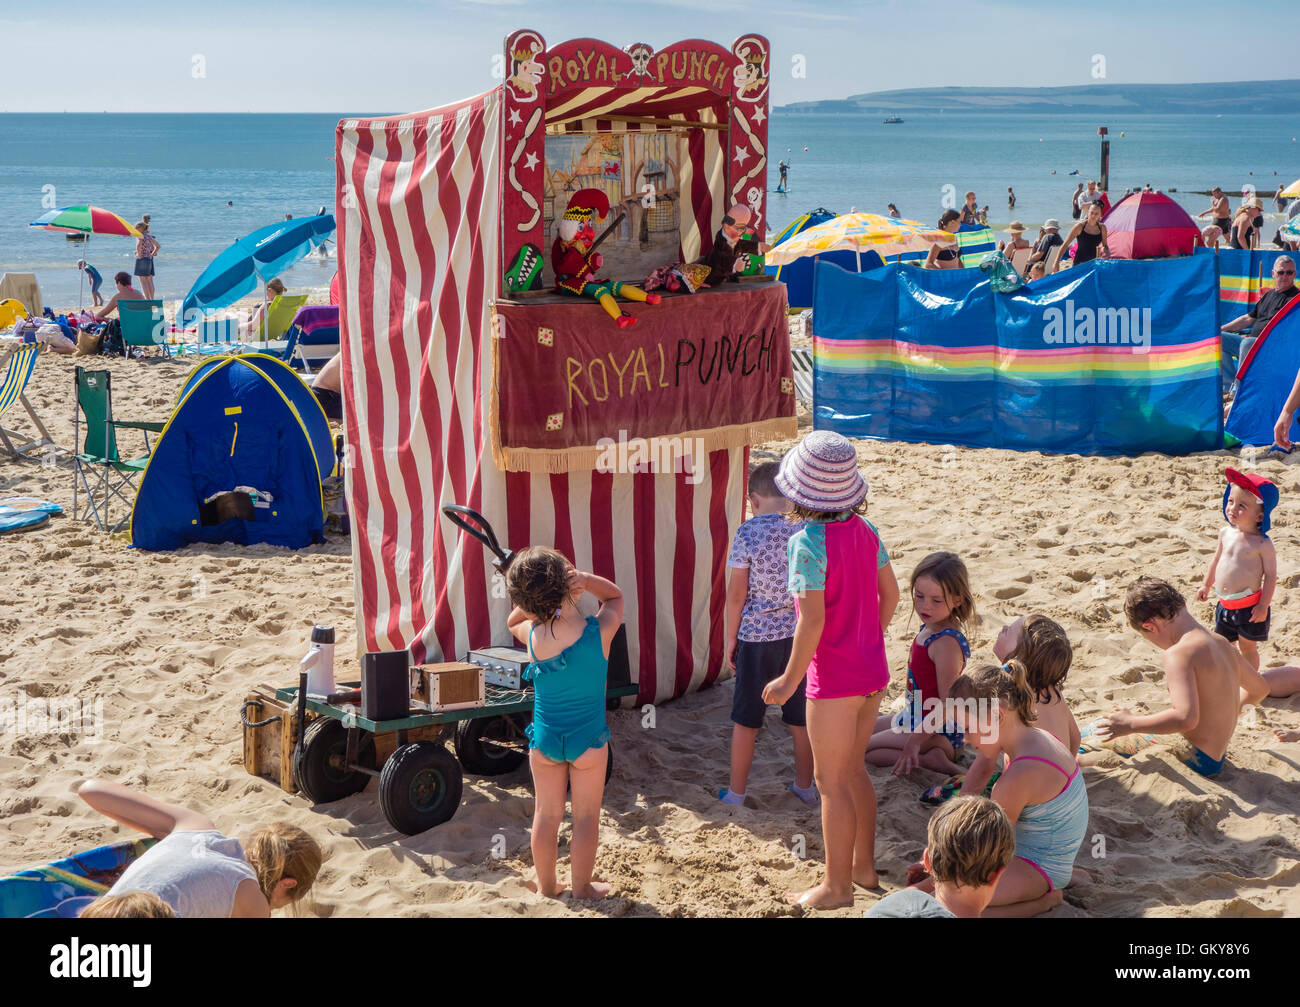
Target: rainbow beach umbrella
{"points": [[85, 220]]}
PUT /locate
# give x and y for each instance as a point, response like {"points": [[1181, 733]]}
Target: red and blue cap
{"points": [[1262, 489]]}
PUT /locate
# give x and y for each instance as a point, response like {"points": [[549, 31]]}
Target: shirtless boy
{"points": [[1206, 677]]}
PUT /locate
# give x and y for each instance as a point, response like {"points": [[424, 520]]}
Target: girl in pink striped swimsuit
{"points": [[845, 594]]}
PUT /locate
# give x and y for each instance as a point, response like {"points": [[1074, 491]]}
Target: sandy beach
{"points": [[172, 642]]}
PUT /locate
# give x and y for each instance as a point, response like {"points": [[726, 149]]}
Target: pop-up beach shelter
{"points": [[465, 380], [1265, 378], [240, 460]]}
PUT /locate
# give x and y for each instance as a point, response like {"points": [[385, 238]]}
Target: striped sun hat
{"points": [[821, 473]]}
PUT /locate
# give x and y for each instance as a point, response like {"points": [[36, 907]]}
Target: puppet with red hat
{"points": [[575, 264]]}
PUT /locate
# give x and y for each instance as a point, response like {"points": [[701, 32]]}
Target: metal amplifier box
{"points": [[501, 665]]}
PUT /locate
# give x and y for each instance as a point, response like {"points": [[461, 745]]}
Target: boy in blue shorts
{"points": [[760, 633], [92, 274]]}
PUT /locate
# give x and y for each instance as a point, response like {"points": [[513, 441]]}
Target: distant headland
{"points": [[1227, 97]]}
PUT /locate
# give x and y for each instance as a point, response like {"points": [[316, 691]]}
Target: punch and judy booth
{"points": [[469, 378]]}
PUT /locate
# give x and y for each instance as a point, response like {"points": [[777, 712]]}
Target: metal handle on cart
{"points": [[484, 532]]}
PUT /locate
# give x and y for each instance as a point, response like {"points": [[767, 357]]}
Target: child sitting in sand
{"points": [[199, 872], [568, 736], [970, 843], [941, 597], [1205, 674], [1243, 573], [1042, 646], [845, 594], [760, 632], [1041, 790]]}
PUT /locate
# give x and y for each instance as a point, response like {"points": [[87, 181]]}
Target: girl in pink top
{"points": [[845, 594]]}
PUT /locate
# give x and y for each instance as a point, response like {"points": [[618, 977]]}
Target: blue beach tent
{"points": [[1265, 379], [798, 275], [240, 460]]}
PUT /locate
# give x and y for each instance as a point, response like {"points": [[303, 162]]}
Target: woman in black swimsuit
{"points": [[1090, 233], [945, 257]]}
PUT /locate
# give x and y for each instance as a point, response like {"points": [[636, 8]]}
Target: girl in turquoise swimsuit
{"points": [[568, 735], [1041, 790]]}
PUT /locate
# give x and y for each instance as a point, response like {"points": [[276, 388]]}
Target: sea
{"points": [[206, 180]]}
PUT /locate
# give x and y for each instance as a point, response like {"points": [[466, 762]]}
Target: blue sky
{"points": [[404, 55]]}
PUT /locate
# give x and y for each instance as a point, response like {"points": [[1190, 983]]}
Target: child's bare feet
{"points": [[821, 897], [594, 890], [532, 886], [1286, 735]]}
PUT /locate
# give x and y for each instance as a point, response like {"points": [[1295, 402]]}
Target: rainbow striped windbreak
{"points": [[1115, 357], [1244, 277]]}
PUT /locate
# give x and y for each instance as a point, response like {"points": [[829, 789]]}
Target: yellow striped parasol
{"points": [[1292, 191], [860, 232]]}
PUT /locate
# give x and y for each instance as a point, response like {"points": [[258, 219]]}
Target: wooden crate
{"points": [[454, 685], [386, 744], [268, 751]]}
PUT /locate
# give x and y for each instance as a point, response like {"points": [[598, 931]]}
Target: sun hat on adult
{"points": [[1051, 222], [1015, 227], [821, 473]]}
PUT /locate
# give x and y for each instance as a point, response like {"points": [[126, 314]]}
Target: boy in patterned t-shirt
{"points": [[760, 632]]}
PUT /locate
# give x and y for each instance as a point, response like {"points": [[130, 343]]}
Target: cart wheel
{"points": [[419, 787], [318, 762], [478, 744]]}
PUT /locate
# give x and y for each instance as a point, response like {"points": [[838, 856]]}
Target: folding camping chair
{"points": [[1020, 260], [22, 361], [109, 472], [802, 359], [313, 338], [142, 324], [278, 317], [1053, 257]]}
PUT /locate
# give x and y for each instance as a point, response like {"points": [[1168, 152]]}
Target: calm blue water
{"points": [[182, 169]]}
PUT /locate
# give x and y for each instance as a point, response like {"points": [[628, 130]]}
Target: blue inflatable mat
{"points": [[60, 890], [25, 512]]}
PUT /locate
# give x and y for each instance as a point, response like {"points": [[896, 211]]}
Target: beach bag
{"points": [[111, 345], [1003, 277], [88, 343]]}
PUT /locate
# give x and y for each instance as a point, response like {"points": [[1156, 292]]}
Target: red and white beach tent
{"points": [[436, 214]]}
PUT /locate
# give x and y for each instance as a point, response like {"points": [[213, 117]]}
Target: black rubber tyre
{"points": [[477, 748], [318, 762], [420, 787]]}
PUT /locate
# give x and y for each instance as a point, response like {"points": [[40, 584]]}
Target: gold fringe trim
{"points": [[580, 459]]}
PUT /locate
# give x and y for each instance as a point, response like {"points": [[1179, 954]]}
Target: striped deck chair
{"points": [[802, 359], [21, 364]]}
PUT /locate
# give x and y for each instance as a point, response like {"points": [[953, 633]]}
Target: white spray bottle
{"points": [[319, 662]]}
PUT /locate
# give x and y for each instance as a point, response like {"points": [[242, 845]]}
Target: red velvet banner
{"points": [[712, 369]]}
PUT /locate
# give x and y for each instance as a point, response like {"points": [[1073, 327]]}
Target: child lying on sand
{"points": [[1205, 674]]}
